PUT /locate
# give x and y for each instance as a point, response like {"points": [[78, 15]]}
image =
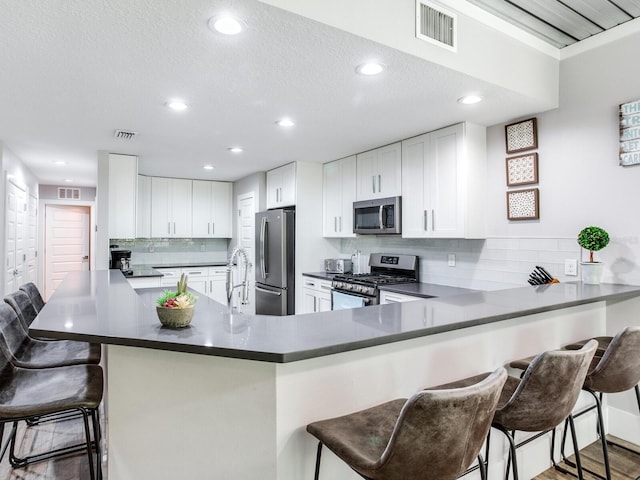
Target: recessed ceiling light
{"points": [[208, 167], [59, 162], [470, 99], [371, 68], [235, 149], [176, 105], [285, 122], [225, 24], [68, 180]]}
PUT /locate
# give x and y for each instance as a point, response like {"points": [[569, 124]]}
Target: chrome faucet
{"points": [[238, 251]]}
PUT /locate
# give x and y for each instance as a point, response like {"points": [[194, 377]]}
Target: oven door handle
{"points": [[380, 216]]}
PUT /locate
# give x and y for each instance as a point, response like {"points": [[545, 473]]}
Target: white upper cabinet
{"points": [[171, 207], [442, 177], [281, 186], [339, 193], [379, 172], [211, 209], [123, 180], [143, 217]]}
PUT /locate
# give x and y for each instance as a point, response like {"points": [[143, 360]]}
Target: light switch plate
{"points": [[451, 259]]}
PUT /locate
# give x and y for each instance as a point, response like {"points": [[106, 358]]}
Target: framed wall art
{"points": [[523, 204], [522, 170], [521, 136]]}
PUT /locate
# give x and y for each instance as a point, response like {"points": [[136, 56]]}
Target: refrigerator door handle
{"points": [[263, 239], [268, 291]]}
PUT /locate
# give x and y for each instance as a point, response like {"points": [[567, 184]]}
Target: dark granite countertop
{"points": [[320, 275], [184, 264], [141, 272], [107, 310], [425, 290]]}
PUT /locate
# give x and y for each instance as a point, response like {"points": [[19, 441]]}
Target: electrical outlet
{"points": [[202, 247], [451, 259], [571, 266]]}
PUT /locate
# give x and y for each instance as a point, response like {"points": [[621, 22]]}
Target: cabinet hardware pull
{"points": [[174, 228], [208, 229], [425, 220], [213, 228], [340, 217], [373, 183], [379, 183], [433, 220], [169, 228], [335, 227]]}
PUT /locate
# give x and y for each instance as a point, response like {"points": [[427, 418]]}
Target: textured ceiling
{"points": [[563, 22], [73, 71]]}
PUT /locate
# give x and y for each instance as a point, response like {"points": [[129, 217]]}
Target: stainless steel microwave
{"points": [[377, 217]]}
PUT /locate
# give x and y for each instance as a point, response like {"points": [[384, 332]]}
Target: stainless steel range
{"points": [[361, 290]]}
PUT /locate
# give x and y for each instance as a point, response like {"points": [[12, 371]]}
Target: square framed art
{"points": [[521, 136], [523, 204], [522, 170]]}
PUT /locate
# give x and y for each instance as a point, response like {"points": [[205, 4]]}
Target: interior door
{"points": [[15, 215], [246, 238], [31, 272], [67, 243]]}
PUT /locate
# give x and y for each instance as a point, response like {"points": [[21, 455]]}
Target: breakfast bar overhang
{"points": [[230, 395]]}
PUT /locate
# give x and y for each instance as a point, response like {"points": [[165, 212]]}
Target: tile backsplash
{"points": [[489, 264], [165, 251]]}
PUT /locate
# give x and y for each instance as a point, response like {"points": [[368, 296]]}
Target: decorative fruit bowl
{"points": [[175, 309]]}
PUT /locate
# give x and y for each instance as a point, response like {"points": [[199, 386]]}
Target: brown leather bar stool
{"points": [[27, 393], [617, 370], [542, 398], [26, 352], [435, 434], [34, 295]]}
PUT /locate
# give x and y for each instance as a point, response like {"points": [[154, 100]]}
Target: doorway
{"points": [[15, 229], [67, 243], [246, 236]]}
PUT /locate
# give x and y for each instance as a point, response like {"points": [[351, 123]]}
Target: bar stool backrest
{"points": [[441, 431], [619, 368], [21, 304], [547, 391], [12, 334], [34, 294]]}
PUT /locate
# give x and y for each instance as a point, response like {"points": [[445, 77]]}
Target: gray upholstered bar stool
{"points": [[34, 295], [542, 398], [27, 393], [432, 435], [26, 352], [22, 305], [616, 370]]}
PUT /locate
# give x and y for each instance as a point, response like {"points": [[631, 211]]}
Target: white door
{"points": [[246, 237], [67, 245], [16, 212]]}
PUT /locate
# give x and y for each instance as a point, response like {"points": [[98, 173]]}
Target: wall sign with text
{"points": [[630, 133]]}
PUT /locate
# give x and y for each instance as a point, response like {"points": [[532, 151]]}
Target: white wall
{"points": [[581, 182]]}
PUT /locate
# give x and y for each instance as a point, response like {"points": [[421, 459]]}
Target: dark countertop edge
{"points": [[181, 265], [287, 357], [407, 289], [320, 275]]}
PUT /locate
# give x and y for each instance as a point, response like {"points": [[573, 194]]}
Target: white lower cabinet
{"points": [[391, 297], [317, 295], [144, 282], [170, 276]]}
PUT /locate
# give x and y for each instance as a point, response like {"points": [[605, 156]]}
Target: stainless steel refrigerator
{"points": [[275, 262]]}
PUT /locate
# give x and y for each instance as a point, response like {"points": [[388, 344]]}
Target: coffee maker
{"points": [[120, 259]]}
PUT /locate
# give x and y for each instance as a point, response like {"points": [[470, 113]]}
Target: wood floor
{"points": [[44, 437], [625, 466]]}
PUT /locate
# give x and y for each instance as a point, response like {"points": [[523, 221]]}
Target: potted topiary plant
{"points": [[592, 239]]}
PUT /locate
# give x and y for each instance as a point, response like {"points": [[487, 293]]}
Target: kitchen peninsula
{"points": [[229, 396]]}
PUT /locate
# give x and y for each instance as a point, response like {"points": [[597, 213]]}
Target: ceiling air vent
{"points": [[68, 193], [435, 24], [124, 134]]}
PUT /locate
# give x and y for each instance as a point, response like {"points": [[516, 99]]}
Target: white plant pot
{"points": [[591, 272]]}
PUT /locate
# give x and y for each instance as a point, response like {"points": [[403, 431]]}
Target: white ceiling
{"points": [[73, 71]]}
